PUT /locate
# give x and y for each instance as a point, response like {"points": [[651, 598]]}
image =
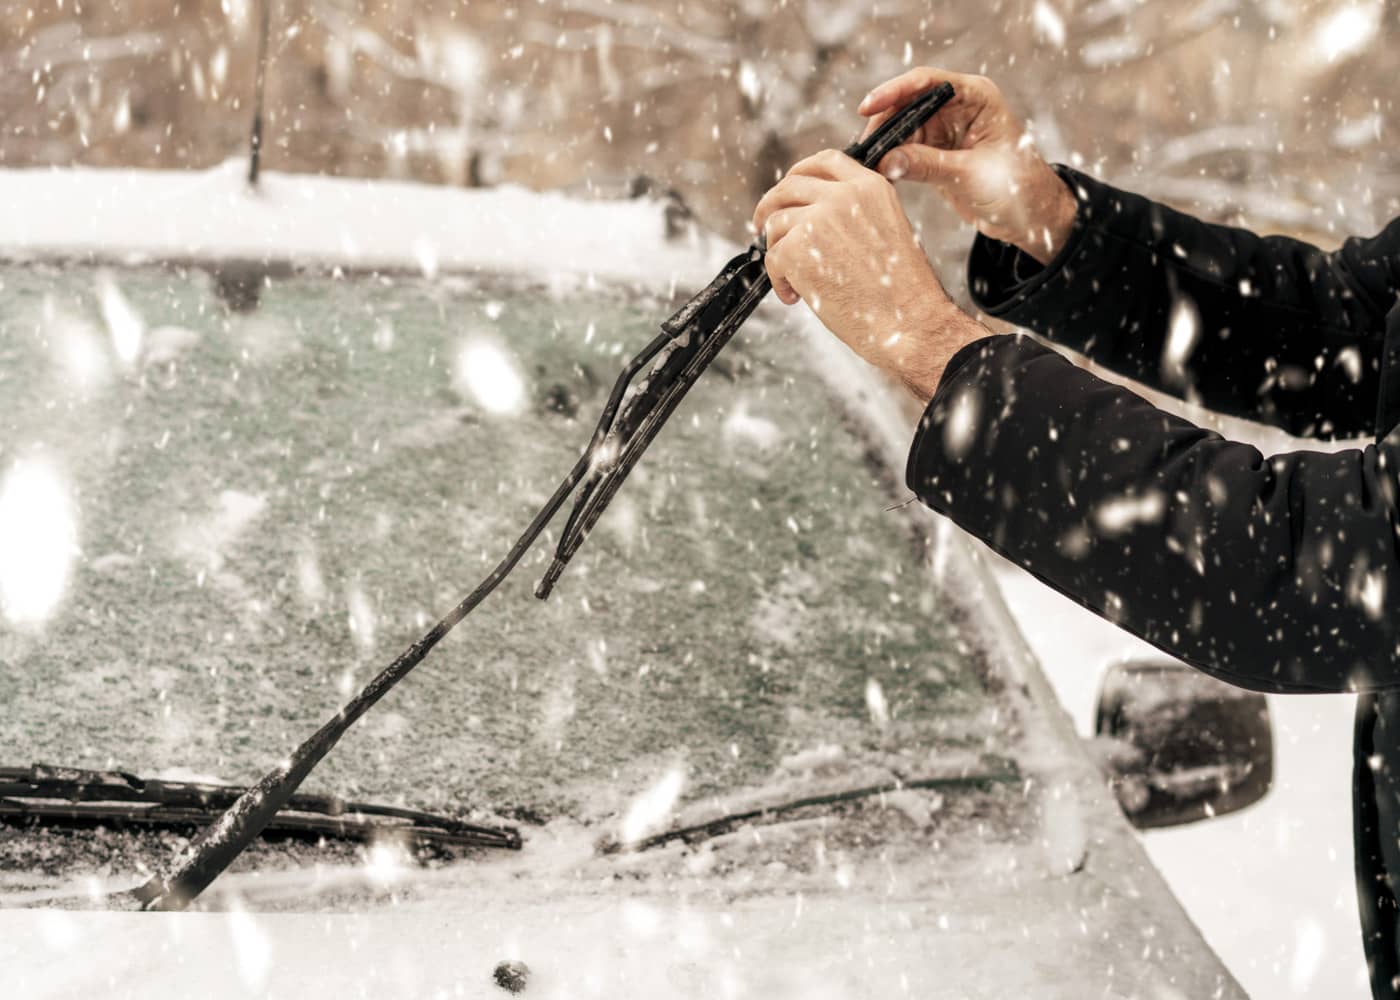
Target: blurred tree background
{"points": [[1272, 113]]}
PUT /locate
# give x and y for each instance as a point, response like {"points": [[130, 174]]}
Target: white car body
{"points": [[1072, 910]]}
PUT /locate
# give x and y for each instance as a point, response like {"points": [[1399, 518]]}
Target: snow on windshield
{"points": [[232, 521]]}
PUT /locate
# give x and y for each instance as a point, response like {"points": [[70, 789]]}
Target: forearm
{"points": [[1051, 208], [945, 332], [1266, 328], [1277, 574]]}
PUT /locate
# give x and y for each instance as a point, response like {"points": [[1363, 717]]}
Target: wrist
{"points": [[947, 331], [1052, 217]]}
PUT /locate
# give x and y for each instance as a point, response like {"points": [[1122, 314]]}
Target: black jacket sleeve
{"points": [[1276, 574], [1267, 328]]}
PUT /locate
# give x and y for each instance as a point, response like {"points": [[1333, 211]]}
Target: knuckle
{"points": [[866, 187], [986, 84], [774, 259]]}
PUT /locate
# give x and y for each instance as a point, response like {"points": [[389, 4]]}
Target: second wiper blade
{"points": [[43, 793]]}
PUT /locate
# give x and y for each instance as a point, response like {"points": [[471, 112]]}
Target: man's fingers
{"points": [[776, 261], [912, 162], [875, 121], [894, 94], [782, 222], [972, 97], [787, 259], [789, 192], [831, 164]]}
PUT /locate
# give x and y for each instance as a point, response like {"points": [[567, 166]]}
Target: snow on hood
{"points": [[214, 215]]}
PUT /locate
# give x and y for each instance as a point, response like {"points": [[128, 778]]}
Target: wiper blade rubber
{"points": [[43, 793]]}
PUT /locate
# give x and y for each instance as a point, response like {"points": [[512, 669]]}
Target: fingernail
{"points": [[895, 165], [865, 102]]}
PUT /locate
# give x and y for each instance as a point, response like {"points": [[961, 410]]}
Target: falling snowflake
{"points": [[876, 704], [652, 809], [1048, 24], [38, 540], [125, 327], [485, 372], [1183, 333]]}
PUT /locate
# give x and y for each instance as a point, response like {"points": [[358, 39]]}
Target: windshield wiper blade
{"points": [[43, 793], [992, 773], [688, 342]]}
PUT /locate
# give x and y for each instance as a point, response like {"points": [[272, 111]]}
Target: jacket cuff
{"points": [[1387, 423], [1007, 283], [944, 429]]}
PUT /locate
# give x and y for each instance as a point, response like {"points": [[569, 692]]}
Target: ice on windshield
{"points": [[230, 522]]}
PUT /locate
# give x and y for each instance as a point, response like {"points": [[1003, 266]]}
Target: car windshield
{"points": [[220, 524]]}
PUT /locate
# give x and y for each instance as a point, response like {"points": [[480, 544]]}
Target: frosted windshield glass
{"points": [[241, 517]]}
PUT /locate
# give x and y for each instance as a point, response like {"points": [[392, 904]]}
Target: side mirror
{"points": [[1179, 745]]}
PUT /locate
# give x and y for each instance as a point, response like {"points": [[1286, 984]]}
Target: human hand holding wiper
{"points": [[979, 157], [839, 240], [838, 237], [811, 249]]}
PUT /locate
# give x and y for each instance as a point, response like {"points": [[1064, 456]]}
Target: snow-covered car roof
{"points": [[252, 512], [298, 220]]}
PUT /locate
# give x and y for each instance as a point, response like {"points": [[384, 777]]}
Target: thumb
{"points": [[923, 163]]}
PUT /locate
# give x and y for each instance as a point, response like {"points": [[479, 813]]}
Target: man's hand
{"points": [[977, 155], [839, 240]]}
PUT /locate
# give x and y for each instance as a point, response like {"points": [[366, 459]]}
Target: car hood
{"points": [[967, 922]]}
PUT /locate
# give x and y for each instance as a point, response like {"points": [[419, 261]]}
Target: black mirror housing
{"points": [[1181, 746]]}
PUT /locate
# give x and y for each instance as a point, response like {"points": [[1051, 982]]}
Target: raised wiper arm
{"points": [[689, 340]]}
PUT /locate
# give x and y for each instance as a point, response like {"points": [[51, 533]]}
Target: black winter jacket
{"points": [[1278, 574]]}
